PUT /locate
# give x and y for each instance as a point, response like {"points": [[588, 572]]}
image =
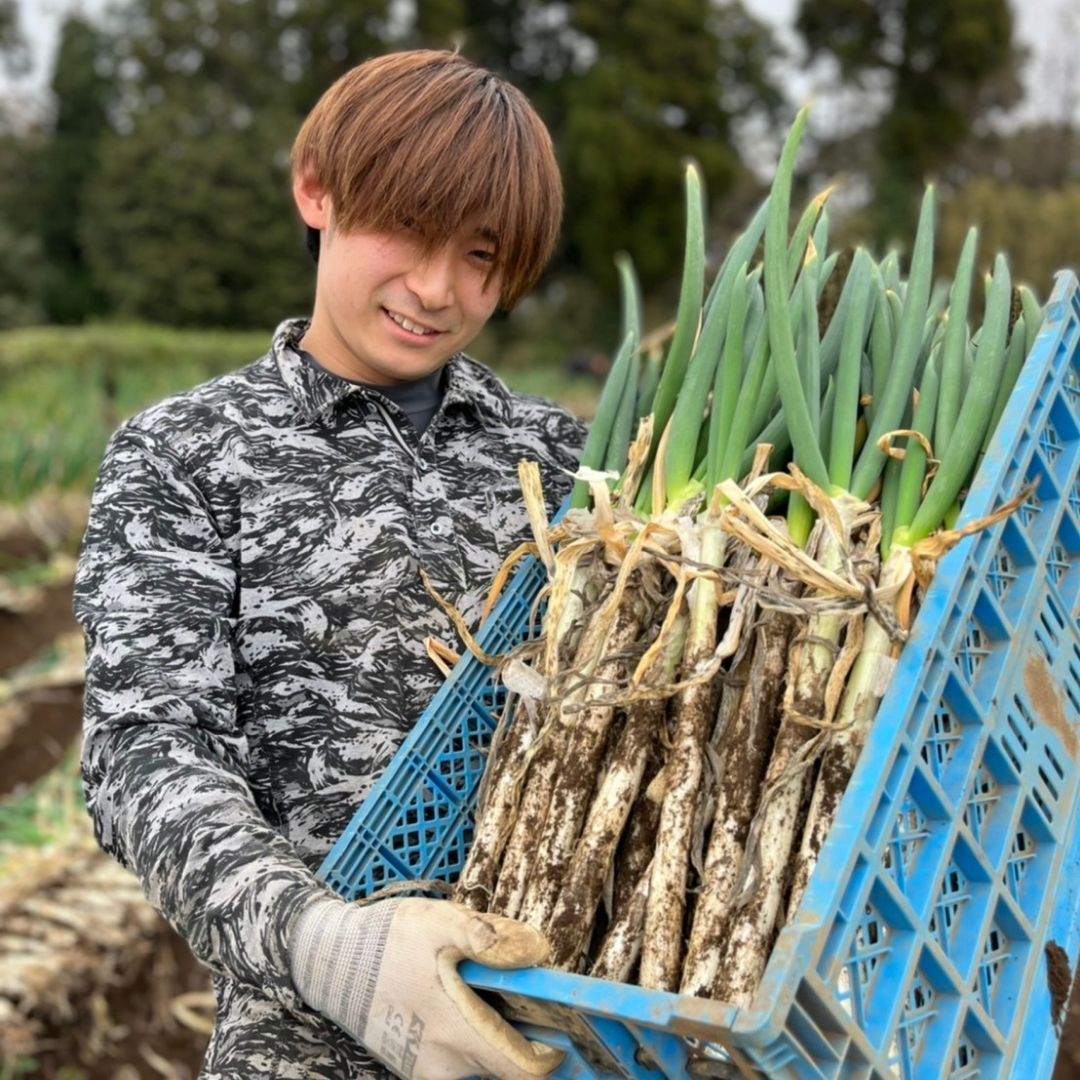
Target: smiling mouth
{"points": [[412, 327]]}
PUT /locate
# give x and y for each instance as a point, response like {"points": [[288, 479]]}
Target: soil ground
{"points": [[42, 725], [25, 633], [38, 723], [125, 1030]]}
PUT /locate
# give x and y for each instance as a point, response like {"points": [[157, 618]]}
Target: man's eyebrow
{"points": [[484, 233]]}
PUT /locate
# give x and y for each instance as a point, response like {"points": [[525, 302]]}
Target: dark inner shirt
{"points": [[418, 400]]}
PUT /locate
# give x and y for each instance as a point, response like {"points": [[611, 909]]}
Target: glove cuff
{"points": [[335, 954]]}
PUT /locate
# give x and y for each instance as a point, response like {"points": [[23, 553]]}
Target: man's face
{"points": [[387, 311]]}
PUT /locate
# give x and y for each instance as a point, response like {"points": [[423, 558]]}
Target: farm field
{"points": [[93, 984]]}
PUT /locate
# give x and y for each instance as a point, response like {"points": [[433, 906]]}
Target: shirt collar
{"points": [[475, 387], [317, 392]]}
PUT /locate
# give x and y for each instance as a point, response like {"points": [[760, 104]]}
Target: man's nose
{"points": [[432, 280]]}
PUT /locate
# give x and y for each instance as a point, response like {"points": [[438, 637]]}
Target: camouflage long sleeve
{"points": [[164, 757], [255, 620]]}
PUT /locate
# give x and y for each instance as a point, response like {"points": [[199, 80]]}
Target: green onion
{"points": [[890, 490], [739, 451], [913, 469], [742, 251], [828, 268], [765, 408], [622, 430], [768, 420], [609, 434], [729, 376], [1033, 316], [688, 318], [687, 324], [801, 237], [755, 317], [881, 343], [975, 411], [630, 292], [821, 241], [1014, 361], [890, 272], [888, 410], [952, 349], [803, 432], [828, 413], [688, 415], [600, 430], [648, 381], [800, 517], [842, 441]]}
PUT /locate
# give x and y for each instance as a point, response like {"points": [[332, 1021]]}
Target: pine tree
{"points": [[82, 94]]}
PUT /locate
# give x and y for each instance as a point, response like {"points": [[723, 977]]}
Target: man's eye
{"points": [[483, 255]]}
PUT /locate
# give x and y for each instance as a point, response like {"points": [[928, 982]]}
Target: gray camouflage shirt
{"points": [[255, 625]]}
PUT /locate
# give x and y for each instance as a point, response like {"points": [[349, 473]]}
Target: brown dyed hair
{"points": [[427, 139]]}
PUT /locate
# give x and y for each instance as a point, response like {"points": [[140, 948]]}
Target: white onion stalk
{"points": [[744, 751], [579, 893], [866, 685]]}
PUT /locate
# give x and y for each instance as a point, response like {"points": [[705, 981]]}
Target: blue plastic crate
{"points": [[919, 947], [416, 823]]}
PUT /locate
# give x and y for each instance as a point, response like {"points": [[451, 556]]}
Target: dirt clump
{"points": [[46, 524], [1059, 979]]}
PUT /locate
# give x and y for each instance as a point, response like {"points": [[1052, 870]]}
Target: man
{"points": [[249, 584]]}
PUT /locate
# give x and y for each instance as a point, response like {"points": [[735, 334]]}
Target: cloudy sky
{"points": [[1050, 27]]}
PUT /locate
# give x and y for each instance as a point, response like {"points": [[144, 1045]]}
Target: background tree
{"points": [[198, 231], [1036, 226], [82, 93], [21, 263], [1040, 148], [937, 67], [666, 83], [191, 220], [14, 54], [22, 266], [189, 223]]}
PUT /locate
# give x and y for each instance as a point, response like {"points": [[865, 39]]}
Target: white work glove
{"points": [[387, 974]]}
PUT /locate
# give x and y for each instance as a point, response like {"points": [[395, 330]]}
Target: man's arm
{"points": [[164, 760]]}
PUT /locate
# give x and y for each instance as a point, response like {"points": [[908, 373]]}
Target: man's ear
{"points": [[312, 200]]}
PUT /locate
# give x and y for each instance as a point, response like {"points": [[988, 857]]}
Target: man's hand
{"points": [[387, 974]]}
